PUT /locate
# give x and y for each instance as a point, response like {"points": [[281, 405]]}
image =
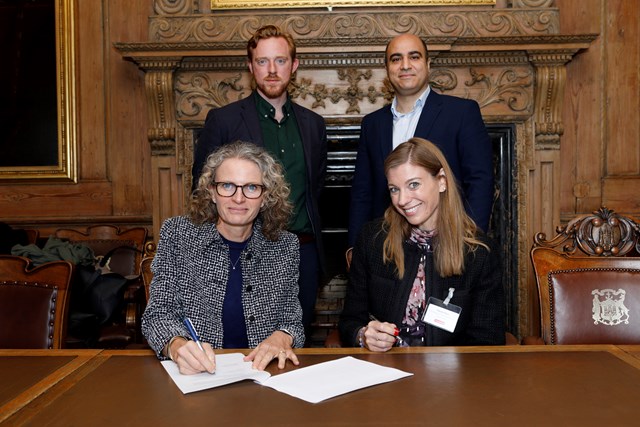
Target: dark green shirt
{"points": [[283, 141]]}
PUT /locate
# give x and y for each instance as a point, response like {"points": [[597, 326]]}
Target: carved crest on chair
{"points": [[603, 233], [609, 308]]}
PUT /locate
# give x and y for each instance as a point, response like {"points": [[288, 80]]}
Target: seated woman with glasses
{"points": [[424, 275], [229, 267]]}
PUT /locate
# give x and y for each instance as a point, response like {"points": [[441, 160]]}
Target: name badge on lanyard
{"points": [[442, 314]]}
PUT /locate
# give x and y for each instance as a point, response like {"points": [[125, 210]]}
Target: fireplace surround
{"points": [[511, 60]]}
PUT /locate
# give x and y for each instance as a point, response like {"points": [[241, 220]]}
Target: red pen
{"points": [[396, 332]]}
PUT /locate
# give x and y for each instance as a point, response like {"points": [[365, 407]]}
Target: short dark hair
{"points": [[424, 44], [267, 32]]}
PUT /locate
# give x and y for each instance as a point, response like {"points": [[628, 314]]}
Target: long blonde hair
{"points": [[456, 230], [275, 213]]}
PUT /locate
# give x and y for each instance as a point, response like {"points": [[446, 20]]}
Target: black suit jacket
{"points": [[453, 124], [375, 289], [239, 121]]}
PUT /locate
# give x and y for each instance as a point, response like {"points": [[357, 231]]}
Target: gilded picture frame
{"points": [[65, 168], [275, 4]]}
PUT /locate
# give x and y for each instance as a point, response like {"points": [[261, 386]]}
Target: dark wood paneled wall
{"points": [[600, 148], [113, 184]]}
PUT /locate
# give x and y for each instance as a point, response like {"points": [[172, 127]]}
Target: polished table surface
{"points": [[480, 386]]}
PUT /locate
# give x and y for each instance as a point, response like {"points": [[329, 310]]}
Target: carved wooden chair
{"points": [[145, 267], [588, 279], [102, 239], [33, 303], [147, 275]]}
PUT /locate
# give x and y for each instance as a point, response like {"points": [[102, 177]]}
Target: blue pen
{"points": [[192, 332]]}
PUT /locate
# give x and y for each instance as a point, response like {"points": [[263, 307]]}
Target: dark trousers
{"points": [[308, 282]]}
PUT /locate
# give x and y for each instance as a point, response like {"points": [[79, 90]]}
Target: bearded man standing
{"points": [[294, 135]]}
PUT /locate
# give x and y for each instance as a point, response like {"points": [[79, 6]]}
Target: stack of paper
{"points": [[313, 384]]}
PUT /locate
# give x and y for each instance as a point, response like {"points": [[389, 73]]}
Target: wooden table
{"points": [[26, 374], [479, 386]]}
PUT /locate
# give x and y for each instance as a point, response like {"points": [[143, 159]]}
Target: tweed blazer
{"points": [[453, 124], [375, 289], [190, 274]]}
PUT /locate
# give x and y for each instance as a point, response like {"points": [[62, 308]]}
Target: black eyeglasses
{"points": [[228, 189]]}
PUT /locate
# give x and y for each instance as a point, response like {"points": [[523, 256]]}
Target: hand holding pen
{"points": [[381, 336], [192, 332], [193, 357]]}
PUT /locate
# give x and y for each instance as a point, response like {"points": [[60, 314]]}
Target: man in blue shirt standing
{"points": [[453, 124]]}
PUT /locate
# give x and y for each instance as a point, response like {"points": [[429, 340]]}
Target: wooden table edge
{"points": [[45, 384]]}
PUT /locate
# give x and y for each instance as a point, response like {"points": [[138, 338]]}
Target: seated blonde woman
{"points": [[425, 274]]}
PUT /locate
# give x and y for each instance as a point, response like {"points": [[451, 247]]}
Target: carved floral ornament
{"points": [[602, 233], [198, 92], [356, 25]]}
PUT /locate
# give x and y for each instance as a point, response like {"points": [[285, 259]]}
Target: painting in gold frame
{"points": [[63, 167], [274, 4]]}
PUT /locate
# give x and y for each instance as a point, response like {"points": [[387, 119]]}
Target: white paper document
{"points": [[230, 368], [313, 384], [325, 380]]}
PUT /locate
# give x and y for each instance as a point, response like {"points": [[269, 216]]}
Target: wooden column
{"points": [[543, 200], [167, 195]]}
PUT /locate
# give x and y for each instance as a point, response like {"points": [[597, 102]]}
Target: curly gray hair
{"points": [[276, 211]]}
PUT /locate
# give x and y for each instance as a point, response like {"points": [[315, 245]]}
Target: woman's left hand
{"points": [[277, 345]]}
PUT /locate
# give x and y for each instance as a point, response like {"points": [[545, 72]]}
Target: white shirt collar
{"points": [[417, 106]]}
